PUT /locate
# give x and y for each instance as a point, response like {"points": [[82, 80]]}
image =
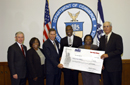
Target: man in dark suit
{"points": [[17, 60], [70, 76], [51, 52], [112, 44]]}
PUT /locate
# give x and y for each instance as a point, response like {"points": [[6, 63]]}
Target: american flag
{"points": [[47, 22], [100, 21]]}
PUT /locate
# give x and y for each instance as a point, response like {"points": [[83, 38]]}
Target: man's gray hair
{"points": [[109, 23], [18, 33]]}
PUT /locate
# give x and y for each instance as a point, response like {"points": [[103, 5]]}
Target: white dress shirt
{"points": [[108, 36], [72, 38], [19, 45]]}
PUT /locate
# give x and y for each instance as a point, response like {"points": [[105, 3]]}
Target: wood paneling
{"points": [[126, 72], [62, 79], [80, 79], [5, 74], [1, 75]]}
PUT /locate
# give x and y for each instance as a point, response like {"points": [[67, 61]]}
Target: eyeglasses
{"points": [[106, 26]]}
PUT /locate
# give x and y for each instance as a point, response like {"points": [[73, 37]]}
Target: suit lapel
{"points": [[52, 45], [110, 40], [103, 42], [66, 41], [73, 41], [35, 52], [18, 49], [57, 44]]}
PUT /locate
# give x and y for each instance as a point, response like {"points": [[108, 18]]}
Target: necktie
{"points": [[54, 44], [106, 40], [22, 50], [70, 41]]}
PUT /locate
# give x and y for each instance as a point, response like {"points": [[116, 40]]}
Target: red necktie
{"points": [[22, 50]]}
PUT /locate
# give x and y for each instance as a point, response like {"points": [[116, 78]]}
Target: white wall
{"points": [[28, 16], [20, 15], [118, 12]]}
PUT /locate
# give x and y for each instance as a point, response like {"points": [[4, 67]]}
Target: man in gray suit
{"points": [[17, 60]]}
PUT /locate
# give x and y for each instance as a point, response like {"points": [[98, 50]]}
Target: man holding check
{"points": [[112, 44], [70, 76]]}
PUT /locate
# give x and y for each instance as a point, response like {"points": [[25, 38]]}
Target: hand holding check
{"points": [[104, 56], [60, 66]]}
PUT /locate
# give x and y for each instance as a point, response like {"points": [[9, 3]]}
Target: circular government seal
{"points": [[79, 16]]}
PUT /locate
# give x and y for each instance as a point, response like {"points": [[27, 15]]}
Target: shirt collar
{"points": [[19, 44], [71, 36], [52, 40], [108, 34]]}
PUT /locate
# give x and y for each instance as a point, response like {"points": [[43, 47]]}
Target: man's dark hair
{"points": [[69, 26], [52, 30]]}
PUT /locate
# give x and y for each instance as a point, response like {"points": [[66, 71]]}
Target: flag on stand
{"points": [[100, 21], [47, 21]]}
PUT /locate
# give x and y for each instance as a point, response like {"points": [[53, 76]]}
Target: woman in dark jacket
{"points": [[35, 63]]}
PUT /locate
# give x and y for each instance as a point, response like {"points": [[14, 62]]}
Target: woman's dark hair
{"points": [[87, 36], [33, 40]]}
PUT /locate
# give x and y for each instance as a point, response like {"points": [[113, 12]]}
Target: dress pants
{"points": [[18, 81], [53, 79], [112, 78], [70, 77], [39, 81]]}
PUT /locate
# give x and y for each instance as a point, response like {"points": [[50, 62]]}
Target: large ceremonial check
{"points": [[82, 59]]}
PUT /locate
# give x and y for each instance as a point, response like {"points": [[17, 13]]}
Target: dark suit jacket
{"points": [[114, 49], [34, 64], [52, 57], [64, 42], [16, 60]]}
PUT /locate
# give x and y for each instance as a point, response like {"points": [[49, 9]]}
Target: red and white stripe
{"points": [[46, 31]]}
